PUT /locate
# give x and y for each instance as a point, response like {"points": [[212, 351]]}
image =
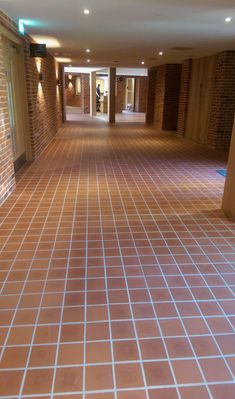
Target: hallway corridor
{"points": [[117, 270]]}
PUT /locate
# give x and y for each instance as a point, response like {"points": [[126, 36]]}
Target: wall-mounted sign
{"points": [[21, 27], [38, 50]]}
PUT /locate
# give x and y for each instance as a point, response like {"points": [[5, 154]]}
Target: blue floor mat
{"points": [[222, 172]]}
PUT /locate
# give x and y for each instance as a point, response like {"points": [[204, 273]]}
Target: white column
{"points": [[112, 95], [228, 205], [93, 94]]}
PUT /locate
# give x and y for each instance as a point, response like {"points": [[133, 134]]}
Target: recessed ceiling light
{"points": [[88, 50], [160, 53], [142, 62], [49, 41], [63, 59], [88, 60], [86, 11], [228, 19]]}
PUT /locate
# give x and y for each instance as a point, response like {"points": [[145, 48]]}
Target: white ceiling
{"points": [[119, 71], [129, 31]]}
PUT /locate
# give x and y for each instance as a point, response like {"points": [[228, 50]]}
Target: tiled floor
{"points": [[117, 271], [75, 114]]}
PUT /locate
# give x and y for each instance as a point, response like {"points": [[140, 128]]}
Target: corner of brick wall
{"points": [[151, 92], [166, 101], [121, 91], [223, 102], [184, 96], [44, 99], [172, 93]]}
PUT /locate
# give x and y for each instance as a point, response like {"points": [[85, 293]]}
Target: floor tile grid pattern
{"points": [[226, 228]]}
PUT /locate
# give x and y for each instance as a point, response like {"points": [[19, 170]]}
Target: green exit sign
{"points": [[21, 26]]}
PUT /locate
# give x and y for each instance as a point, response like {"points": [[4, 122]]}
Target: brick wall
{"points": [[223, 102], [72, 99], [7, 180], [44, 106], [184, 96], [159, 96], [163, 96], [152, 75], [141, 87], [86, 93], [120, 97], [44, 100]]}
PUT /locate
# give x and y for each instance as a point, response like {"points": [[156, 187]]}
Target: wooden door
{"points": [[201, 86]]}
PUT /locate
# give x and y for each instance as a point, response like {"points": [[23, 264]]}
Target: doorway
{"points": [[16, 98], [130, 94]]}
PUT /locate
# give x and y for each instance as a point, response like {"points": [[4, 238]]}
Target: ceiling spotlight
{"points": [[160, 53], [228, 19], [88, 60], [142, 62], [86, 11], [88, 50]]}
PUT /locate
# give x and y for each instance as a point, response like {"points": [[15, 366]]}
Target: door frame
{"points": [[17, 41]]}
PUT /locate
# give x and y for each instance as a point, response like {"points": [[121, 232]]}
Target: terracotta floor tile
{"points": [[38, 381], [42, 356], [72, 333], [98, 352], [10, 382], [128, 375], [122, 329], [152, 349], [6, 317], [100, 396], [178, 347], [132, 395], [215, 370], [68, 379], [223, 391], [194, 392], [97, 313], [125, 351], [226, 343], [97, 331], [172, 327], [166, 393], [147, 328], [186, 371], [73, 314], [70, 354], [14, 357], [99, 378], [158, 373], [20, 336], [46, 335]]}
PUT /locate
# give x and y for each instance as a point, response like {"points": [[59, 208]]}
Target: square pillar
{"points": [[152, 74], [228, 205], [112, 95], [93, 94]]}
